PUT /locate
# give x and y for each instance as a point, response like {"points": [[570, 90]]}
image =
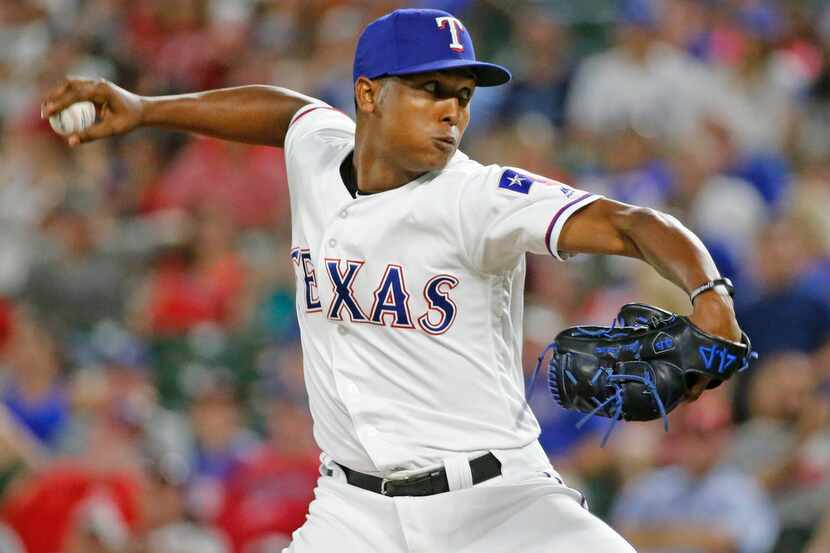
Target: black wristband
{"points": [[723, 281]]}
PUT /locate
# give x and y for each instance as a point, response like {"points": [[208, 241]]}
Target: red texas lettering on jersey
{"points": [[390, 299]]}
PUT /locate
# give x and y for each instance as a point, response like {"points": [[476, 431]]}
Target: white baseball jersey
{"points": [[410, 300]]}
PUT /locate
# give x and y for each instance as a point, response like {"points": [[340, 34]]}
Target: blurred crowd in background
{"points": [[151, 391]]}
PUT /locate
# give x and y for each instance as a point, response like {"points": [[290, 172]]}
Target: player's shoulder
{"points": [[498, 179], [464, 170], [317, 125], [465, 176], [319, 113]]}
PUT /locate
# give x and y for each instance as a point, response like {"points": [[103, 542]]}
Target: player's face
{"points": [[425, 116]]}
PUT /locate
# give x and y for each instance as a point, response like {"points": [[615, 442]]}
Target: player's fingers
{"points": [[53, 94], [71, 91], [59, 97], [101, 129]]}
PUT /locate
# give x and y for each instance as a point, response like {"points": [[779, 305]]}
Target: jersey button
{"points": [[332, 242], [344, 214], [342, 329]]}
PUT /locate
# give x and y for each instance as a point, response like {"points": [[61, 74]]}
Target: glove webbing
{"points": [[616, 380], [552, 345]]}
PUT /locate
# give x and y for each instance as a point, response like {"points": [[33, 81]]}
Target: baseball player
{"points": [[410, 265]]}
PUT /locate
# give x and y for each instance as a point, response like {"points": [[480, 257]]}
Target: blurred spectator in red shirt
{"points": [[173, 300], [248, 182], [268, 494], [55, 507], [5, 322], [218, 265], [201, 281], [178, 46]]}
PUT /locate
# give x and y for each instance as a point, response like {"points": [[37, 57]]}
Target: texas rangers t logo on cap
{"points": [[455, 27]]}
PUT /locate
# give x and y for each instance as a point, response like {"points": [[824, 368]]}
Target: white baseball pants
{"points": [[526, 510]]}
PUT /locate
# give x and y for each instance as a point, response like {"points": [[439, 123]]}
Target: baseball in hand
{"points": [[75, 118]]}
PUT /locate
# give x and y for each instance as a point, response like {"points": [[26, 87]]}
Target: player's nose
{"points": [[450, 111]]}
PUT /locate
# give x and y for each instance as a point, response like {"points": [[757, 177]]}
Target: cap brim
{"points": [[486, 74]]}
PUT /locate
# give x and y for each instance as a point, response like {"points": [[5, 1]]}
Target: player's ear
{"points": [[366, 94]]}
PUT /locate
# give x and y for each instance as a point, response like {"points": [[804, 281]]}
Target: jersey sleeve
{"points": [[509, 212], [312, 127]]}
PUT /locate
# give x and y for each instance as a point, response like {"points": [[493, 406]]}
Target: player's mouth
{"points": [[447, 143]]}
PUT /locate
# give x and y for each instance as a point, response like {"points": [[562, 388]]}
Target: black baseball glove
{"points": [[641, 367]]}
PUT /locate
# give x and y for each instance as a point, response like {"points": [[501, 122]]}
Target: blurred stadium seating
{"points": [[148, 343]]}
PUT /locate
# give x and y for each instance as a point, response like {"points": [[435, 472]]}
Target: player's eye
{"points": [[465, 95], [431, 87]]}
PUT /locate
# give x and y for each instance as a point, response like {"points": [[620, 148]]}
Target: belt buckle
{"points": [[384, 482], [412, 480], [383, 490]]}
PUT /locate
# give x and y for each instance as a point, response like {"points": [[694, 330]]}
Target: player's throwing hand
{"points": [[118, 110]]}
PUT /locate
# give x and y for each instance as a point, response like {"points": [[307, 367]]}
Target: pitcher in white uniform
{"points": [[410, 266]]}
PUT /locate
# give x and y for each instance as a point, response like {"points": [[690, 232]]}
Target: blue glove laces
{"points": [[616, 381], [616, 401]]}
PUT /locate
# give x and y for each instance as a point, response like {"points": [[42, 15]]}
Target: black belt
{"points": [[430, 483]]}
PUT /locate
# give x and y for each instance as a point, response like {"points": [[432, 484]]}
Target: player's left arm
{"points": [[613, 228]]}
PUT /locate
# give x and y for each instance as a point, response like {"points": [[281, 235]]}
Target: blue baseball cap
{"points": [[410, 41]]}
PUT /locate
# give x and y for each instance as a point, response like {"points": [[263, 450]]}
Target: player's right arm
{"points": [[255, 114]]}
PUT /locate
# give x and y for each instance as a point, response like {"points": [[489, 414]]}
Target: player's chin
{"points": [[438, 155]]}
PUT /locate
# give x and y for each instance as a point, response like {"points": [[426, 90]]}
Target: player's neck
{"points": [[376, 172]]}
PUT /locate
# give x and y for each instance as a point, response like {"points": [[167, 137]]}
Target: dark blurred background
{"points": [[151, 393]]}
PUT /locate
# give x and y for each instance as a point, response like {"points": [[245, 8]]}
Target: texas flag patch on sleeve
{"points": [[517, 182]]}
